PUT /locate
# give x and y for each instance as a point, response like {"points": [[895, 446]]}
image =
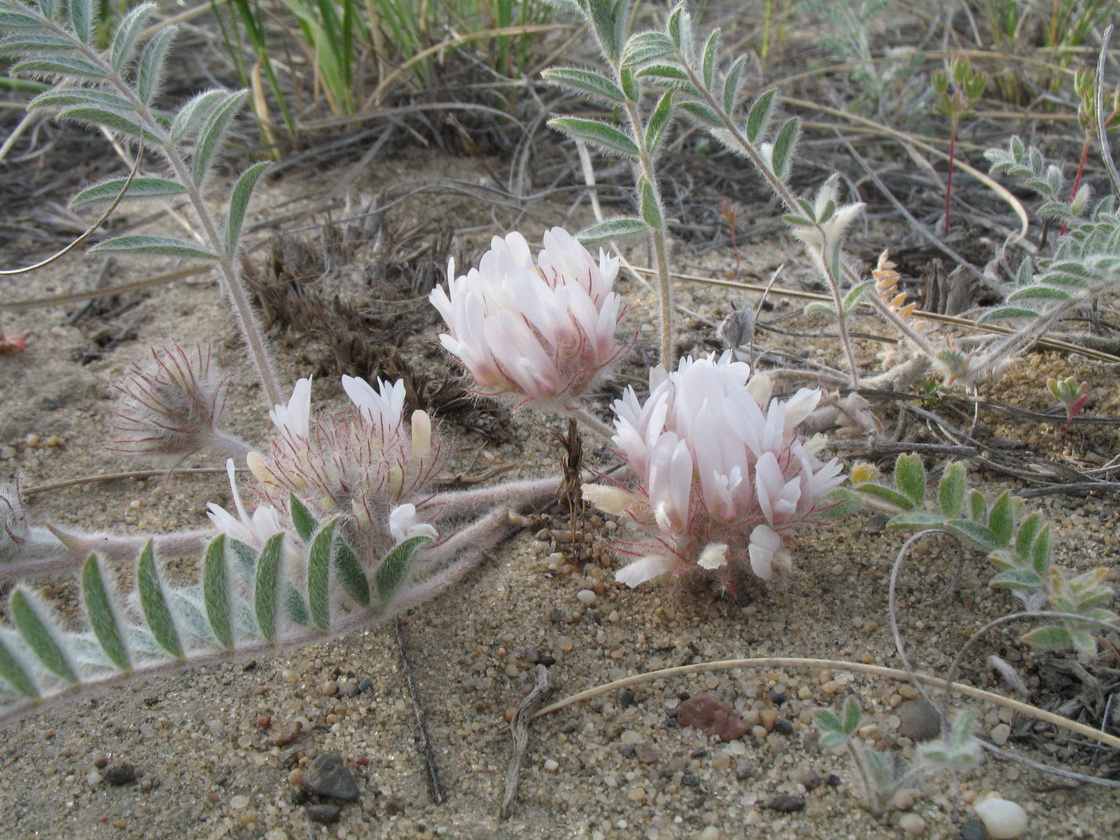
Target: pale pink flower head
{"points": [[720, 475], [541, 331], [368, 462]]}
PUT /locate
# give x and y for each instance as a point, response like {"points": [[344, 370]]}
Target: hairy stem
{"points": [[232, 284]]}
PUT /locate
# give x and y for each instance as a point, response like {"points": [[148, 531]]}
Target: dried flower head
{"points": [[721, 476], [542, 331], [171, 406]]}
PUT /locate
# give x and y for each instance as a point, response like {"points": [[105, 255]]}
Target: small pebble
{"points": [[587, 596], [743, 770], [786, 804], [710, 833], [329, 688], [239, 802], [1000, 734], [1002, 818], [324, 814], [690, 780], [974, 830], [326, 776], [120, 774], [918, 720], [551, 765], [912, 824]]}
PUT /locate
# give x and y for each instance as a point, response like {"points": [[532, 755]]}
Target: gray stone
{"points": [[918, 720], [326, 776]]}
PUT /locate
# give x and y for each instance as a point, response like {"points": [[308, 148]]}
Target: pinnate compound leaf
{"points": [[102, 617], [319, 575], [239, 205], [153, 603], [210, 135], [141, 187], [832, 731], [266, 586], [394, 568], [951, 491], [301, 517], [128, 31], [910, 478], [216, 591], [350, 572], [164, 246], [611, 229], [586, 82], [150, 67], [40, 635], [599, 133], [12, 672]]}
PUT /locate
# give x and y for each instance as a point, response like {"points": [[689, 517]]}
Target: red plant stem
{"points": [[949, 180], [1077, 178]]}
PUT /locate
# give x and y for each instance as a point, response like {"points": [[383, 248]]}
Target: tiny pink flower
{"points": [[719, 474], [541, 330]]}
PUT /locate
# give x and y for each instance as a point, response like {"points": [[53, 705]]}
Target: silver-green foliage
{"points": [[292, 589], [1016, 542], [116, 89], [1086, 259], [882, 774]]}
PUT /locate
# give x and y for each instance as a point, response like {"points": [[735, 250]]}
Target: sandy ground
{"points": [[616, 767]]}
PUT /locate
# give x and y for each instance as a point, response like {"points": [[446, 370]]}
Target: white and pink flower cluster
{"points": [[366, 462], [722, 473], [542, 331]]}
